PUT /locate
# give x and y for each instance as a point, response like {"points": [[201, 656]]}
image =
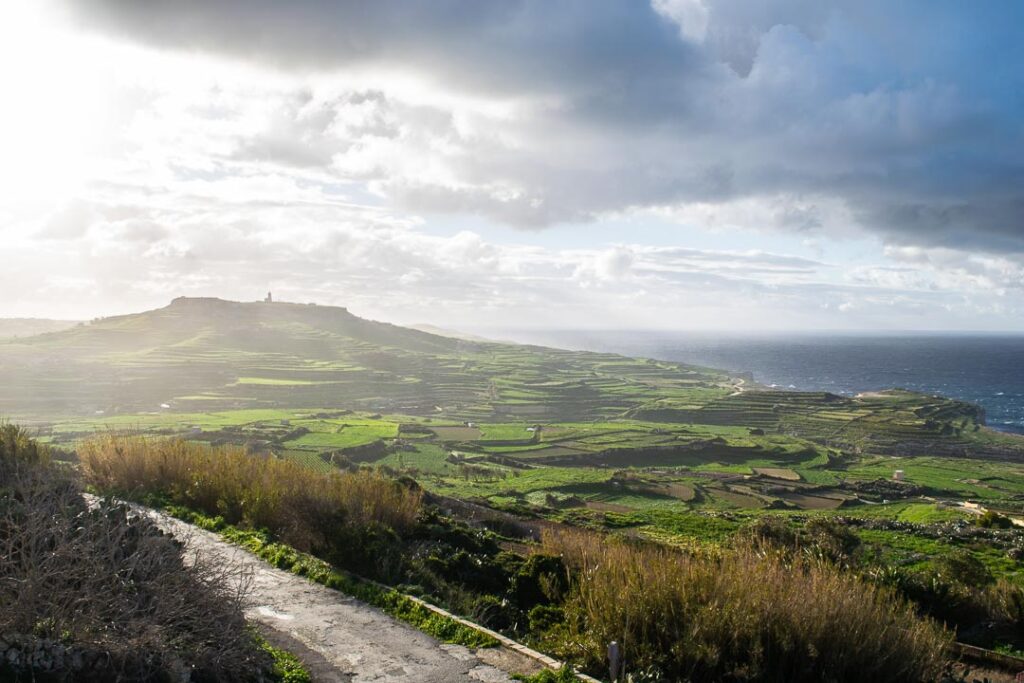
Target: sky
{"points": [[598, 164]]}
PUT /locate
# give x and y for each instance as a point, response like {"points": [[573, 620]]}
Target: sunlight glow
{"points": [[54, 106]]}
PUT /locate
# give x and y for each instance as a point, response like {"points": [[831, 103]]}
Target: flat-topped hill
{"points": [[204, 353], [282, 327]]}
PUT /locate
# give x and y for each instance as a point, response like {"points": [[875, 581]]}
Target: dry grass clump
{"points": [[746, 615], [109, 583], [303, 507]]}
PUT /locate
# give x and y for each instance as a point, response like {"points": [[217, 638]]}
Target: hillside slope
{"points": [[28, 327], [203, 354], [199, 354]]}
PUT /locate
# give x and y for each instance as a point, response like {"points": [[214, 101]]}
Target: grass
{"points": [[346, 435], [748, 614], [975, 479], [747, 631], [424, 459], [334, 512], [286, 667], [919, 553], [289, 559], [585, 492], [309, 459], [270, 381], [930, 513]]}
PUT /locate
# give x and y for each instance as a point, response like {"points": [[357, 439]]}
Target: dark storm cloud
{"points": [[490, 46], [907, 114]]}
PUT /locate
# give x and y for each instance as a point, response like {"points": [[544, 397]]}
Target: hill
{"points": [[206, 354], [28, 327], [454, 334]]}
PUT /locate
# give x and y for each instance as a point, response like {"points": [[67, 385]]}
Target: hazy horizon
{"points": [[677, 164], [517, 329]]}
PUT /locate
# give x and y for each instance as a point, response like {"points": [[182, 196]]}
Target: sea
{"points": [[986, 369]]}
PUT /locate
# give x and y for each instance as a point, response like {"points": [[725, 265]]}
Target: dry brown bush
{"points": [[100, 578], [300, 505], [742, 615]]}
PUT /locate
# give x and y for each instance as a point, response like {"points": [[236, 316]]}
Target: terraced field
{"points": [[681, 454], [587, 468], [893, 422], [209, 355]]}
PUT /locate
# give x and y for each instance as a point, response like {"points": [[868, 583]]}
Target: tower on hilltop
{"points": [[269, 299]]}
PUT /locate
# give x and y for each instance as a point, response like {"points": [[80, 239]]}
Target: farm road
{"points": [[349, 641]]}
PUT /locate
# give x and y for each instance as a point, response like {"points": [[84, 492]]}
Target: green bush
{"points": [[543, 618], [962, 567], [820, 537], [993, 520]]}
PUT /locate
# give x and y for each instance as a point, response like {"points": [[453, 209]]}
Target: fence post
{"points": [[614, 660]]}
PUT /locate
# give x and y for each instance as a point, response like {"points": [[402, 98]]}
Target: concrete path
{"points": [[351, 640]]}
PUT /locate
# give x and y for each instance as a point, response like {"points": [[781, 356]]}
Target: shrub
{"points": [[347, 517], [831, 539], [18, 449], [991, 519], [543, 618], [747, 614], [1005, 602], [821, 538], [962, 567], [772, 531], [961, 592], [108, 583], [541, 580]]}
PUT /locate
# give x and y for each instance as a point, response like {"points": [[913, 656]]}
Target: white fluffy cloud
{"points": [[236, 243], [370, 156], [535, 113]]}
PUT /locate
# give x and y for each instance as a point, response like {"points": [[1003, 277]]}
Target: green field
{"points": [[676, 483], [672, 452]]}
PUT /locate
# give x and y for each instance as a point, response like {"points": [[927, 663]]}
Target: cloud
{"points": [[501, 47], [955, 271], [196, 240], [690, 15], [812, 117], [69, 222], [367, 153]]}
